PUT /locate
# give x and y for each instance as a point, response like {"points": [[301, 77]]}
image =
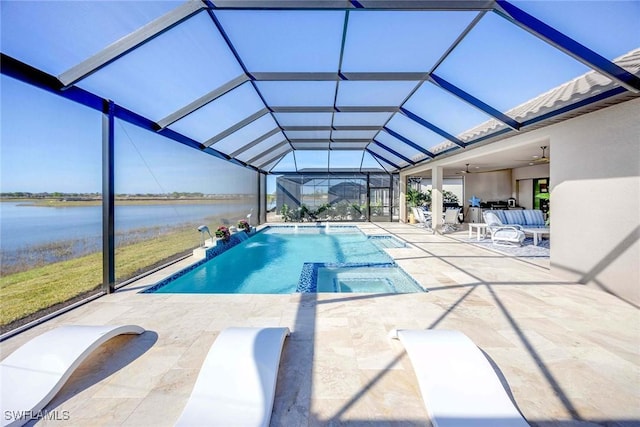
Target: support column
{"points": [[265, 204], [368, 197], [261, 198], [391, 198], [403, 197], [436, 198], [108, 200]]}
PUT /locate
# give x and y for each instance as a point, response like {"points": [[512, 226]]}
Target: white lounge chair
{"points": [[237, 382], [457, 382], [501, 234], [33, 374]]}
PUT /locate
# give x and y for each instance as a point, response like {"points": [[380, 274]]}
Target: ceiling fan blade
{"points": [[538, 159]]}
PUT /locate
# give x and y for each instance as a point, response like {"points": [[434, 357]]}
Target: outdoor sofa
{"points": [[527, 218]]}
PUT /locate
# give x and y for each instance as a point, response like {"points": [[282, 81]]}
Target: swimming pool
{"points": [[287, 259]]}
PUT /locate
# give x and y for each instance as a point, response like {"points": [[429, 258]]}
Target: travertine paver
{"points": [[570, 354]]}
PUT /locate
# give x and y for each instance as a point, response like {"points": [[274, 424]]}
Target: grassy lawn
{"points": [[25, 293]]}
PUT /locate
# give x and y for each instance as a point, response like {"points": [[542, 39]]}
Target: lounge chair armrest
{"points": [[508, 227]]}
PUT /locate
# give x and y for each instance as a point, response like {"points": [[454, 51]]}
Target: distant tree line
{"points": [[97, 196], [174, 195], [46, 195]]}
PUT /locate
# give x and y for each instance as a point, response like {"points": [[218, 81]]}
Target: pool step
{"points": [[386, 241]]}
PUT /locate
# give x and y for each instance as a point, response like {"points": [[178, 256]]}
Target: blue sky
{"points": [[50, 144]]}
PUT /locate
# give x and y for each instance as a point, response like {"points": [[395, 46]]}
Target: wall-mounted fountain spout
{"points": [[249, 216], [204, 229]]}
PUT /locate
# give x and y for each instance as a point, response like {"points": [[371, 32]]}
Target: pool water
{"points": [[383, 279], [272, 260]]}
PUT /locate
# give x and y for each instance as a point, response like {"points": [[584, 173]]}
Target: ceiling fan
{"points": [[538, 160], [466, 170]]}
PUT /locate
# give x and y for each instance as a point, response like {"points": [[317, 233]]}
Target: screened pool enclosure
{"points": [[254, 105]]}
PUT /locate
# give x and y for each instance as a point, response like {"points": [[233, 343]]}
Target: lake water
{"points": [[23, 225]]}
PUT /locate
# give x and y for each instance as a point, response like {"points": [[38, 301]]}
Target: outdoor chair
{"points": [[501, 234], [425, 215], [34, 373], [237, 381], [416, 215], [450, 221], [422, 217], [459, 385]]}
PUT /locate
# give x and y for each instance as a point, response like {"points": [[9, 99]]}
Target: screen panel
{"points": [[276, 153], [51, 183], [31, 31], [413, 131], [369, 163], [444, 110], [353, 134], [286, 40], [385, 155], [286, 164], [345, 159], [298, 93], [245, 135], [367, 48], [171, 190], [308, 134], [169, 72], [220, 114], [371, 93], [312, 160], [303, 119], [504, 66], [310, 145], [361, 119], [616, 22], [262, 147], [339, 145], [396, 145]]}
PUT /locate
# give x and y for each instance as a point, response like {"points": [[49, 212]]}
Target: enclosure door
{"points": [[541, 187], [379, 204]]}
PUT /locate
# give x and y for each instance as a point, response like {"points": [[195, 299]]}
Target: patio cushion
{"points": [[514, 217], [508, 235], [533, 218], [501, 215]]}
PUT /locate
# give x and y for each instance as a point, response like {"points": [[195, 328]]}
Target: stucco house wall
{"points": [[595, 199]]}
